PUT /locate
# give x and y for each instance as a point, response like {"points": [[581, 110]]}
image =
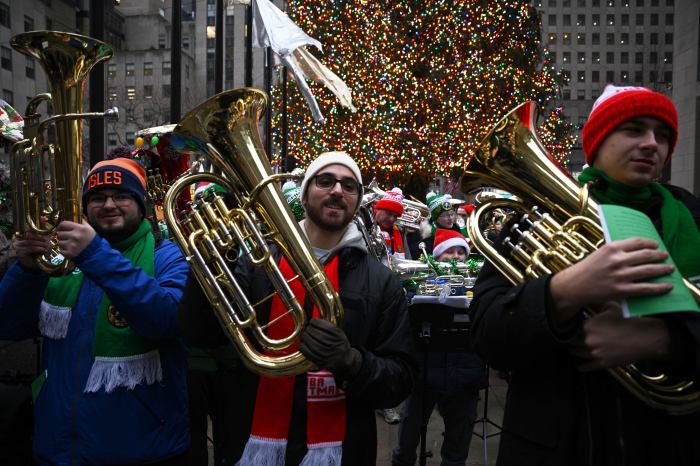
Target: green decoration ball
{"points": [[154, 141]]}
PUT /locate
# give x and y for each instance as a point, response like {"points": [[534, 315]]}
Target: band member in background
{"points": [[563, 407], [453, 381], [386, 211], [113, 387], [367, 363], [443, 214]]}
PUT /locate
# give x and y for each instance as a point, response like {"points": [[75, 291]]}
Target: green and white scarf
{"points": [[122, 358], [679, 230]]}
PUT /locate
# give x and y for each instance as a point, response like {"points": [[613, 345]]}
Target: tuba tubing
{"points": [[511, 158], [225, 127]]}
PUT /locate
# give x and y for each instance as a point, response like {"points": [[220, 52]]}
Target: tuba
{"points": [[217, 231], [48, 177], [559, 225]]}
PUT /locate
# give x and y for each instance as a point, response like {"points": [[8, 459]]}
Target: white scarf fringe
{"points": [[261, 451], [128, 371], [324, 454], [54, 320]]}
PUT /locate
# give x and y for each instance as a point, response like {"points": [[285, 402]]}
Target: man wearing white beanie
{"points": [[560, 335], [325, 416]]}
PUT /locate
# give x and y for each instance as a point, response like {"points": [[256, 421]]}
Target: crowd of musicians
{"points": [[136, 364]]}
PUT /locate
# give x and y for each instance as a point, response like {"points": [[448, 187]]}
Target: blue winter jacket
{"points": [[145, 424]]}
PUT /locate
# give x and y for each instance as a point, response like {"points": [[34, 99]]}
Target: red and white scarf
{"points": [[325, 403], [394, 242]]}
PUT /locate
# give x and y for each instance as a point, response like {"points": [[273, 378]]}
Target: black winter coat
{"points": [[555, 415], [375, 322]]}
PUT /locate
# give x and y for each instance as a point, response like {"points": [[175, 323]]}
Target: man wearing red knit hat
{"points": [[564, 406], [386, 211]]}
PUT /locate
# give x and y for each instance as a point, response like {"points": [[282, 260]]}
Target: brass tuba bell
{"points": [[47, 178], [562, 226], [214, 233]]}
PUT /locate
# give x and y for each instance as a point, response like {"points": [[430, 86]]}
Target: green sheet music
{"points": [[621, 223]]}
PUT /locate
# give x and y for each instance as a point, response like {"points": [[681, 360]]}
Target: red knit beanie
{"points": [[619, 104], [391, 201], [445, 239]]}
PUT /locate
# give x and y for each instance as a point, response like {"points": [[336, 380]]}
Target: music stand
{"points": [[485, 421], [435, 330]]}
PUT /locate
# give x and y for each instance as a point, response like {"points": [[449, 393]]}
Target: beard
{"points": [[333, 221], [116, 233]]}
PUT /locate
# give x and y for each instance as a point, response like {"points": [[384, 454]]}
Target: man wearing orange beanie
{"points": [[564, 406], [113, 384]]}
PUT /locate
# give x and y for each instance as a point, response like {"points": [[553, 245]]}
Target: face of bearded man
{"points": [[331, 209]]}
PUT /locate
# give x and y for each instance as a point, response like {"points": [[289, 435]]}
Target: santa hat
{"points": [[445, 239], [469, 208], [332, 158], [391, 201], [438, 203], [619, 104], [120, 173]]}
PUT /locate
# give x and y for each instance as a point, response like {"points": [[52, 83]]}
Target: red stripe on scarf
{"points": [[394, 242], [274, 398]]}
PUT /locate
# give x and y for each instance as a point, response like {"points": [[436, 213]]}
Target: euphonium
{"points": [[214, 233], [414, 212], [47, 177], [559, 226]]}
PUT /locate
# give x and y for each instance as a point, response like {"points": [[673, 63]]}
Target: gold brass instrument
{"points": [[559, 227], [213, 234], [47, 177]]}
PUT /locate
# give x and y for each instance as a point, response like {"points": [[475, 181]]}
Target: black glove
{"points": [[326, 345]]}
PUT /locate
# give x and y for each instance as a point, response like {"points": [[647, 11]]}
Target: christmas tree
{"points": [[558, 136], [429, 79]]}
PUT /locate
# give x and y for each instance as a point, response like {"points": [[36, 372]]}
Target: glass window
{"points": [[112, 93], [595, 38], [653, 38], [581, 77], [148, 68], [581, 3], [624, 58], [668, 38], [610, 38], [129, 69], [6, 58], [638, 77], [595, 19], [49, 24], [610, 76], [566, 39], [8, 96], [611, 2], [552, 38], [669, 19], [654, 2], [567, 20], [639, 19], [29, 67], [148, 91], [638, 58], [5, 15], [595, 76], [610, 57], [567, 57], [654, 19], [166, 90], [581, 57], [639, 38], [161, 41], [186, 42], [581, 94], [669, 2], [552, 3], [566, 2], [668, 76], [640, 2], [668, 57], [624, 38], [581, 38], [580, 20], [130, 92], [166, 67], [566, 94], [653, 58], [111, 70], [130, 137], [596, 2], [652, 76], [610, 20], [596, 57], [28, 24], [112, 139], [552, 20], [624, 77], [625, 20]]}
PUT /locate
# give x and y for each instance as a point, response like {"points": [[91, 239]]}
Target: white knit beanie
{"points": [[332, 158]]}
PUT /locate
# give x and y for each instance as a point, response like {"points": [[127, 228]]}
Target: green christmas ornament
{"points": [[154, 141]]}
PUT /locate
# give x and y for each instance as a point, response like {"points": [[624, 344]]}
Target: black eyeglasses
{"points": [[120, 199], [327, 182]]}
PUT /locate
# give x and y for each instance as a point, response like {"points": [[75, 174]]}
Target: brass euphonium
{"points": [[47, 178], [214, 233], [559, 226]]}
